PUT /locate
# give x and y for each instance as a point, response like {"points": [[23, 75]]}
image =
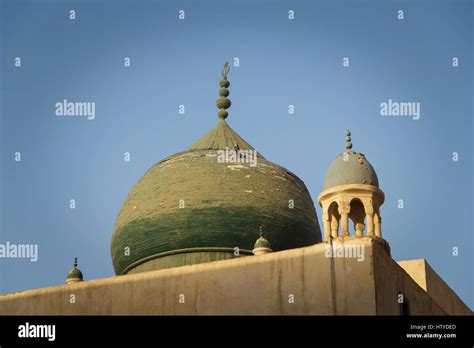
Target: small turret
{"points": [[75, 274], [351, 192], [262, 245]]}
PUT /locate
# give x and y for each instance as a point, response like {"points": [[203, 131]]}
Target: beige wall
{"points": [[431, 282], [247, 285], [390, 280]]}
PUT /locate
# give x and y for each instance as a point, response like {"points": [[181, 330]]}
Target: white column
{"points": [[344, 212], [344, 224], [327, 229], [370, 224], [378, 227], [334, 227], [359, 227]]}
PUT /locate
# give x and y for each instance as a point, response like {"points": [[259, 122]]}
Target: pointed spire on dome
{"points": [[222, 137], [223, 103], [348, 140]]}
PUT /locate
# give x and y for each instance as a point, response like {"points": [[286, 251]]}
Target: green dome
{"points": [[350, 168], [222, 207], [262, 243], [74, 274]]}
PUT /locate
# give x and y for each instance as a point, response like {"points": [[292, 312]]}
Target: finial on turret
{"points": [[223, 103], [75, 262], [348, 140]]}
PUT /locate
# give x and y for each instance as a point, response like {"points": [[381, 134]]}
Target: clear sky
{"points": [[177, 62]]}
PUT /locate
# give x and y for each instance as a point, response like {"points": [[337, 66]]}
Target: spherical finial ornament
{"points": [[224, 83], [348, 140], [222, 114], [223, 103], [224, 92]]}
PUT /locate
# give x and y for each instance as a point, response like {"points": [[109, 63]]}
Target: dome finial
{"points": [[223, 103], [348, 140], [225, 70], [75, 262]]}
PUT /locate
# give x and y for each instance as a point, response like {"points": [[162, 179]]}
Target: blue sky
{"points": [[282, 62]]}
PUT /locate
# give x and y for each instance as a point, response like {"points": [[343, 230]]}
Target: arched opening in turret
{"points": [[357, 215], [334, 219]]}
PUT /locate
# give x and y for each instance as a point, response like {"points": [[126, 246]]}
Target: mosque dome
{"points": [[262, 242], [350, 167], [208, 202], [75, 274], [262, 245]]}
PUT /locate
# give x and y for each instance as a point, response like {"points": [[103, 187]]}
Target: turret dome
{"points": [[75, 274], [262, 245], [350, 167]]}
